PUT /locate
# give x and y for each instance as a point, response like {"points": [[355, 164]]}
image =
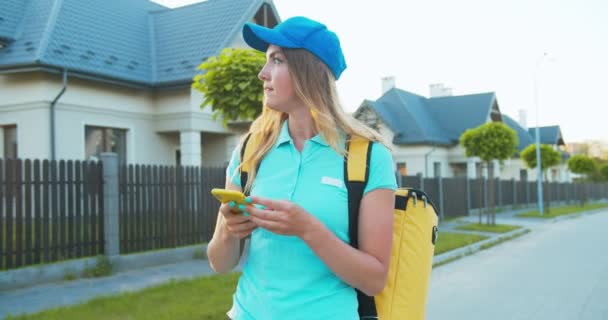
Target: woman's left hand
{"points": [[281, 217]]}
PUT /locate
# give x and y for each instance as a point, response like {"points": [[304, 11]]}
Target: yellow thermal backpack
{"points": [[414, 235]]}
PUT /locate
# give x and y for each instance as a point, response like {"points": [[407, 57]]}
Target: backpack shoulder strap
{"points": [[248, 147], [244, 171], [356, 174]]}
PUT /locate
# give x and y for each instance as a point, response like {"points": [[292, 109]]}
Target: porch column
{"points": [[471, 169], [190, 147]]}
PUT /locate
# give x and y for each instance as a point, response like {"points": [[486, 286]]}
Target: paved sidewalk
{"points": [[34, 299], [43, 297]]}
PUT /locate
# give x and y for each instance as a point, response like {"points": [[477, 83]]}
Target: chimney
{"points": [[523, 119], [439, 90], [387, 83]]}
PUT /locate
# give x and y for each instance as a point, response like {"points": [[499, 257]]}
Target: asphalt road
{"points": [[558, 271]]}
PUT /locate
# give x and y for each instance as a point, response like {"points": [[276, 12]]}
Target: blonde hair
{"points": [[315, 86]]}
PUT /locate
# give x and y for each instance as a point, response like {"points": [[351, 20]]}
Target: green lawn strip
{"points": [[482, 247], [447, 241], [497, 228], [207, 297], [563, 210], [202, 298]]}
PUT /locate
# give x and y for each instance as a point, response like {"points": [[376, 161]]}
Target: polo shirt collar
{"points": [[284, 134], [285, 137]]}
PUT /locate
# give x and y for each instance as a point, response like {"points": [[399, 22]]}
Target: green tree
{"points": [[231, 85], [581, 164], [548, 158], [490, 141], [604, 172]]}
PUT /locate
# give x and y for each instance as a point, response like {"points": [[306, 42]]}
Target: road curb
{"points": [[477, 246]]}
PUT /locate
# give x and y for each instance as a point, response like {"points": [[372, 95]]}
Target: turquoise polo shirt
{"points": [[282, 277]]}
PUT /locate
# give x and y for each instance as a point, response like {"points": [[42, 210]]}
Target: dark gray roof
{"points": [[440, 121], [135, 41], [551, 135], [11, 14], [524, 137]]}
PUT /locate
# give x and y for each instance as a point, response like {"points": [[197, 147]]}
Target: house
{"points": [[550, 135], [425, 133], [81, 77]]}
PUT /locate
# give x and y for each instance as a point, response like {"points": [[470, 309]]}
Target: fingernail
{"points": [[241, 207], [248, 200], [246, 214], [231, 204]]}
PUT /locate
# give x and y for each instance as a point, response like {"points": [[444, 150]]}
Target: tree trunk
{"points": [[547, 194], [481, 204], [492, 191]]}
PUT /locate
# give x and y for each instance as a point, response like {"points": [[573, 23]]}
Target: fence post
{"points": [[514, 187], [468, 195], [485, 194], [498, 182], [528, 195], [440, 183], [110, 203]]}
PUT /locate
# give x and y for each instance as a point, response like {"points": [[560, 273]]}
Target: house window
{"points": [[10, 142], [402, 168], [103, 139]]}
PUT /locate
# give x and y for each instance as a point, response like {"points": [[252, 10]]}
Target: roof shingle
{"points": [[135, 41], [440, 121]]}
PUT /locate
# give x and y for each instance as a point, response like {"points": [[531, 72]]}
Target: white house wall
{"points": [[24, 101], [511, 170], [153, 120], [415, 157], [30, 143], [421, 159]]}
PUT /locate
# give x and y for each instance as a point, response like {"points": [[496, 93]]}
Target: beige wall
{"points": [[153, 120]]}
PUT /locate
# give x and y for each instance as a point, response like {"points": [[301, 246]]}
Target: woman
{"points": [[300, 264]]}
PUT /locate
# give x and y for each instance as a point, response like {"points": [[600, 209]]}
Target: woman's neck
{"points": [[301, 127]]}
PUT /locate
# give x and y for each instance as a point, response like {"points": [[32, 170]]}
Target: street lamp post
{"points": [[539, 180]]}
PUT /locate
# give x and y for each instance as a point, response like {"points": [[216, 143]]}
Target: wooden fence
{"points": [[49, 211], [165, 207], [459, 196], [54, 210]]}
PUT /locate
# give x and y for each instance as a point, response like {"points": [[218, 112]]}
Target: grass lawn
{"points": [[201, 298], [563, 210], [447, 241], [497, 228]]}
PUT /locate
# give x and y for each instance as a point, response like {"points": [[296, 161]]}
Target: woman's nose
{"points": [[263, 75]]}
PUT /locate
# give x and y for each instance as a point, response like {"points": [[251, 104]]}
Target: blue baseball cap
{"points": [[299, 32]]}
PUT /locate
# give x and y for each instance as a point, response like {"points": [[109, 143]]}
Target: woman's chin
{"points": [[273, 106]]}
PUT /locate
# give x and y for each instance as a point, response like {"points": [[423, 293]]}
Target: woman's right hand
{"points": [[236, 221]]}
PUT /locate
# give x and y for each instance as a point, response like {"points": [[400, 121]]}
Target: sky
{"points": [[541, 56]]}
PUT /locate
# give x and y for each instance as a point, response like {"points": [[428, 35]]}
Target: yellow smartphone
{"points": [[224, 195]]}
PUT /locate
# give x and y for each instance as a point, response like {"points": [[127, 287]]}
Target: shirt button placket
{"points": [[298, 161]]}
